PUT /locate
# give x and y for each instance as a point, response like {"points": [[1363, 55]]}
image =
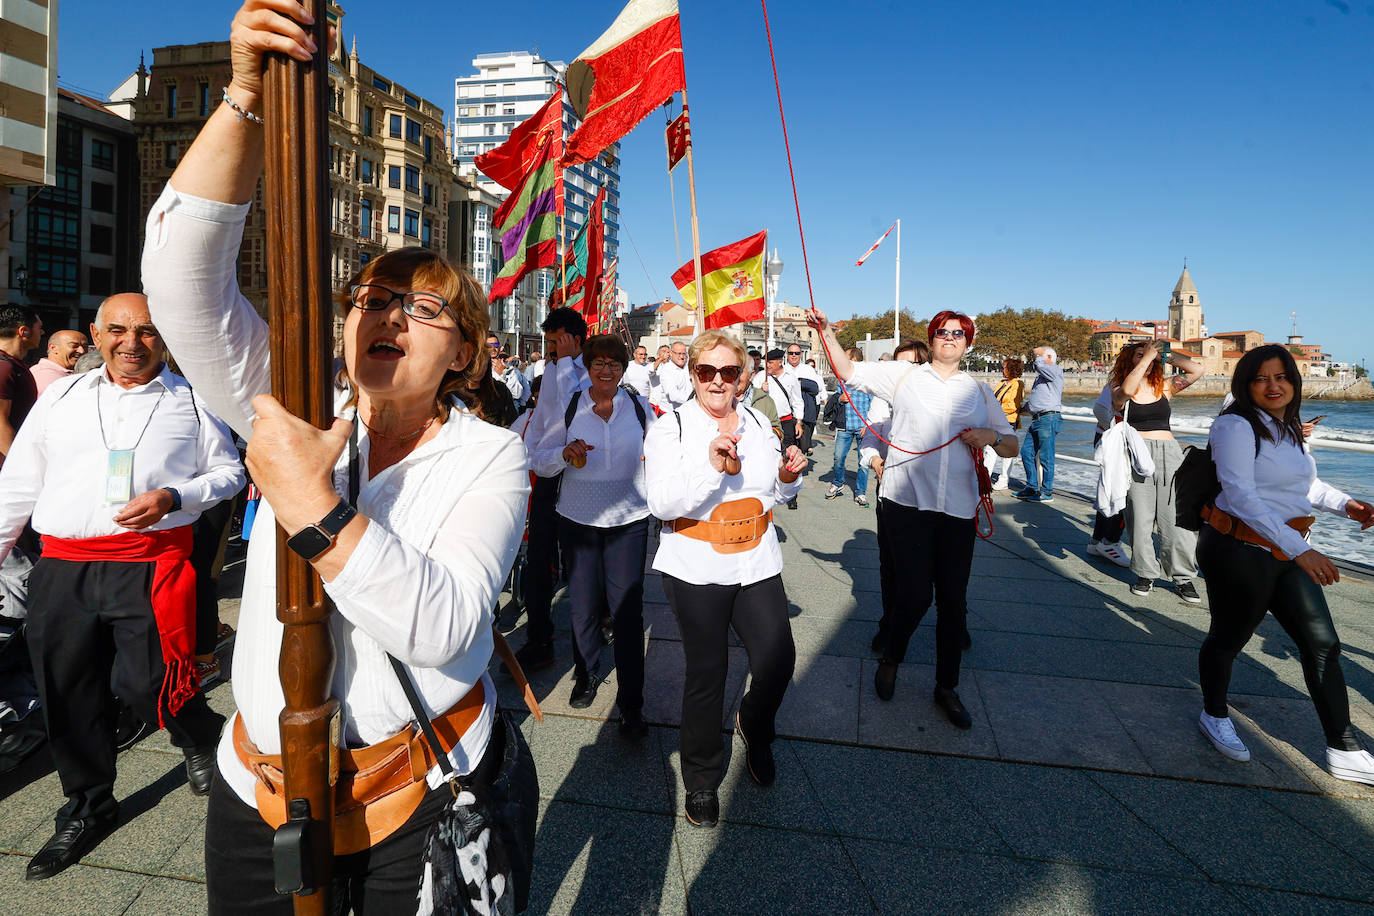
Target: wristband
{"points": [[313, 540], [176, 499]]}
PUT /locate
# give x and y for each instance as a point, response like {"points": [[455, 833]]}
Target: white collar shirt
{"points": [[561, 379], [609, 490], [57, 468], [535, 370], [443, 526], [1268, 489], [791, 404], [673, 387], [515, 381], [927, 411], [640, 378], [681, 483], [805, 370]]}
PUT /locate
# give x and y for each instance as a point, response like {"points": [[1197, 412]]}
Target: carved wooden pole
{"points": [[301, 320]]}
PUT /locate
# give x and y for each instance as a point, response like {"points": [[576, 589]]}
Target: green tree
{"points": [[880, 326], [1009, 332]]}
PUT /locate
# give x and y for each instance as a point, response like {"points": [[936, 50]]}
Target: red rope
{"points": [[985, 503]]}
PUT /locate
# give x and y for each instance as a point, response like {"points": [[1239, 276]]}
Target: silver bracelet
{"points": [[240, 111]]}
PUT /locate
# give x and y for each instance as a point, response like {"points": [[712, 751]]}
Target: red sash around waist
{"points": [[173, 597]]}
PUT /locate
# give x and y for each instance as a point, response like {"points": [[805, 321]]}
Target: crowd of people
{"points": [[449, 451]]}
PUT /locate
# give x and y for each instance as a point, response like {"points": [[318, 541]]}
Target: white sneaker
{"points": [[1113, 552], [833, 491], [1355, 766], [1002, 483], [1223, 736]]}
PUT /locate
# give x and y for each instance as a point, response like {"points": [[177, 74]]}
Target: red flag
{"points": [[679, 137], [596, 255], [629, 71], [509, 163]]}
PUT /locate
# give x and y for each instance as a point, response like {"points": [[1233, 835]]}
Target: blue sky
{"points": [[1056, 155]]}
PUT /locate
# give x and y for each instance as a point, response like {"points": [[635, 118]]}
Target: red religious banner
{"points": [[679, 138]]}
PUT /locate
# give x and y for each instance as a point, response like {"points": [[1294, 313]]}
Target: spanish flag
{"points": [[733, 277]]}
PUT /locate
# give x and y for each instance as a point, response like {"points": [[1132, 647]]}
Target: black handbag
{"points": [[479, 853]]}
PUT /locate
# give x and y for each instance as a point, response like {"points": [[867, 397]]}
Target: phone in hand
{"points": [[1318, 418], [1166, 351]]}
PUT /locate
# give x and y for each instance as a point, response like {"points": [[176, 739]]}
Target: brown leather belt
{"points": [[379, 786], [734, 526], [1226, 523]]}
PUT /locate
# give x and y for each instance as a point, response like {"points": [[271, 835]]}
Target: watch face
{"points": [[310, 542]]}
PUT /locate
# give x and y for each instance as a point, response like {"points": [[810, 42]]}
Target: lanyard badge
{"points": [[119, 476]]}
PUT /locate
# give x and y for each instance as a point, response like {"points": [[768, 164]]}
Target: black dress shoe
{"points": [[885, 680], [758, 755], [200, 768], [703, 808], [65, 848], [878, 639], [583, 692], [791, 504], [633, 726], [948, 700]]}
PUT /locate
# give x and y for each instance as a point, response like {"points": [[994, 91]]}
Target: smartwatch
{"points": [[313, 540], [176, 499]]}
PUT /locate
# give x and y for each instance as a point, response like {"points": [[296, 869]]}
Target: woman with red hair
{"points": [[1140, 390], [929, 491]]}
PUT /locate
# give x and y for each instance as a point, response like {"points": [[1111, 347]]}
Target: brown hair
{"points": [[420, 267], [1125, 362], [606, 346], [1013, 367]]}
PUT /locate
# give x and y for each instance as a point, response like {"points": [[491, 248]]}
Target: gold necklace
{"points": [[406, 438]]}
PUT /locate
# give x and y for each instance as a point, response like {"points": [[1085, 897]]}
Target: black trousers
{"points": [[541, 559], [207, 534], [1109, 527], [606, 572], [758, 613], [383, 879], [808, 431], [932, 553], [1244, 582], [886, 565], [92, 636]]}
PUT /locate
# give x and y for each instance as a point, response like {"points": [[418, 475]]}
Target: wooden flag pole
{"points": [[699, 313], [302, 345]]}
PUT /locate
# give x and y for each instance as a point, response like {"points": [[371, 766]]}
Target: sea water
{"points": [[1353, 472]]}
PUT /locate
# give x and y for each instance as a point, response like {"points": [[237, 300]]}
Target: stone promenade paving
{"points": [[1083, 787]]}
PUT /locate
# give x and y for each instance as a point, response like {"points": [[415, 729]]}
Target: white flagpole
{"points": [[897, 309]]}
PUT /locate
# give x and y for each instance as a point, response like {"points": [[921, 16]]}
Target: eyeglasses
{"points": [[950, 333], [369, 297], [494, 344], [600, 365], [705, 373], [794, 353]]}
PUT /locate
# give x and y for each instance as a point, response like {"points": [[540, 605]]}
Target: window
{"points": [[367, 122], [393, 176], [470, 149], [203, 94], [412, 179], [488, 89], [429, 194], [171, 100], [463, 92], [489, 129], [102, 240], [508, 108], [480, 224], [462, 112], [102, 155], [102, 197], [426, 232], [508, 89], [366, 173], [365, 218], [363, 258], [429, 149], [488, 109], [412, 223], [100, 281], [393, 219], [412, 131], [333, 99], [507, 127], [396, 126], [411, 100], [381, 84]]}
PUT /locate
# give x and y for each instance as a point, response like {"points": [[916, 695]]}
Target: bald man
{"points": [[64, 349]]}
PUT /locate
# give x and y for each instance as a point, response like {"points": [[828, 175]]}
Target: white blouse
{"points": [[928, 410], [1268, 489], [609, 491], [444, 523], [682, 483]]}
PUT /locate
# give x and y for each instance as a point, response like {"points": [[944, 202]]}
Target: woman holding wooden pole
{"points": [[411, 515]]}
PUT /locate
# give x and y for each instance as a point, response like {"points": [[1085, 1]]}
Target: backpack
{"points": [[640, 415], [1195, 485]]}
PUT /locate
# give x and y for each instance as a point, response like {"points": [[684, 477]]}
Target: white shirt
{"points": [[56, 469], [535, 370], [682, 484], [638, 377], [1265, 491], [804, 370], [514, 380], [609, 491], [671, 387], [879, 423], [928, 410], [561, 379], [444, 523], [787, 384]]}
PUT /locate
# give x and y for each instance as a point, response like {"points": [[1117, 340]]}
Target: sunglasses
{"points": [[794, 353], [951, 334], [369, 297], [705, 373]]}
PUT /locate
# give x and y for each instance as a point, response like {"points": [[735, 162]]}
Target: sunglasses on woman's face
{"points": [[705, 373], [951, 333]]}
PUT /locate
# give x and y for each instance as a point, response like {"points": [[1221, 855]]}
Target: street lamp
{"points": [[774, 275], [21, 280]]}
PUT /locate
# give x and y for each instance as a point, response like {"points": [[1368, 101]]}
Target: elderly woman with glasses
{"points": [[411, 514], [930, 490], [598, 447], [714, 470]]}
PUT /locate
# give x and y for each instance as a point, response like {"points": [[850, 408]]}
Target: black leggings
{"points": [[1243, 582], [705, 613]]}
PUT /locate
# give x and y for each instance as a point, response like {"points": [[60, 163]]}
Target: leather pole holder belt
{"points": [[379, 786], [1226, 523], [734, 526]]}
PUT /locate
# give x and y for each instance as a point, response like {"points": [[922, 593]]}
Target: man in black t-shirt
{"points": [[20, 331]]}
